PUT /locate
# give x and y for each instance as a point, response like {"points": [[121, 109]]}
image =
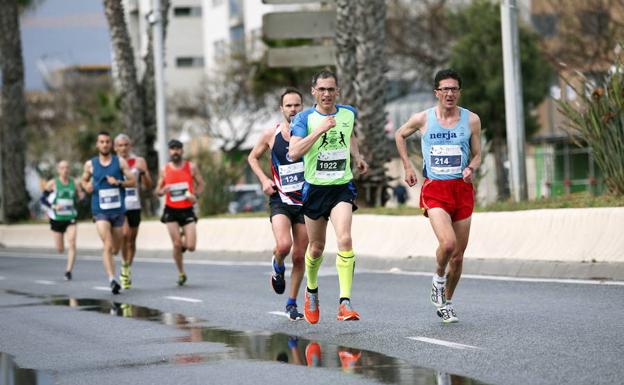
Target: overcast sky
{"points": [[63, 32]]}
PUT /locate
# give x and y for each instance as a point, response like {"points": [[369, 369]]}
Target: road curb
{"points": [[608, 271]]}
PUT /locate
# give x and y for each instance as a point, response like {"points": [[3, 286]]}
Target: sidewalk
{"points": [[558, 243]]}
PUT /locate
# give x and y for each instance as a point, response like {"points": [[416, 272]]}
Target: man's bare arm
{"points": [[85, 180], [413, 124], [268, 187]]}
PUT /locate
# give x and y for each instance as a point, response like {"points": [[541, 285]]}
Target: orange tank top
{"points": [[179, 181]]}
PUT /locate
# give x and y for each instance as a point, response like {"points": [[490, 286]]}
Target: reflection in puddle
{"points": [[271, 346], [11, 374]]}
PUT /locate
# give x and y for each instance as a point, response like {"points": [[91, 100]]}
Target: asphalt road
{"points": [[226, 327]]}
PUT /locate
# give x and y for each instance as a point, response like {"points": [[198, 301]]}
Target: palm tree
{"points": [[13, 114], [345, 50], [138, 95], [370, 91], [130, 92]]}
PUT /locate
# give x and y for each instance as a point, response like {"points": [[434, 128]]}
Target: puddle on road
{"points": [[11, 374], [271, 347]]}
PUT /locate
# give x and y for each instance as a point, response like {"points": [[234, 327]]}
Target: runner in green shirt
{"points": [[60, 199], [323, 136]]}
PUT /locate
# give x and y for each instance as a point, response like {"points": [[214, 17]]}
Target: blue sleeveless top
{"points": [[287, 175], [446, 151], [106, 198]]}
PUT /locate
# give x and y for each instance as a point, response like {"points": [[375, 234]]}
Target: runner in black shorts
{"points": [[284, 189], [181, 183], [60, 197], [138, 167], [324, 137]]}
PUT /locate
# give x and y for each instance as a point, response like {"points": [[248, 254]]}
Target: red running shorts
{"points": [[454, 196]]}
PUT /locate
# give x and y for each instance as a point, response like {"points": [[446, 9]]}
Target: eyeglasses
{"points": [[445, 90], [322, 90]]}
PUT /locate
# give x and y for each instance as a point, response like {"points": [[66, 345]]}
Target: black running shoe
{"points": [[278, 282], [115, 287], [68, 275], [293, 313], [181, 279]]}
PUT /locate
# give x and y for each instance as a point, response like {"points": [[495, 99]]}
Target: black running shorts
{"points": [[182, 216], [318, 201], [60, 226], [293, 212], [133, 217]]}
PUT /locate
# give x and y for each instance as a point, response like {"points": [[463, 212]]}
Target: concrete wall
{"points": [[570, 235]]}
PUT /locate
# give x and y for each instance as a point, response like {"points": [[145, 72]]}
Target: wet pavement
{"points": [[277, 347]]}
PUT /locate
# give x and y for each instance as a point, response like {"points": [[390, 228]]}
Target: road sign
{"points": [[302, 56], [295, 25]]}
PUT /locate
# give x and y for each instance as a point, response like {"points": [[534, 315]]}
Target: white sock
{"points": [[439, 281], [111, 279]]}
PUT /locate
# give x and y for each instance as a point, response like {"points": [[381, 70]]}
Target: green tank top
{"points": [[328, 162], [65, 200]]}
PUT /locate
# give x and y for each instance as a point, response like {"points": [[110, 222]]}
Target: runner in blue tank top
{"points": [[105, 176], [284, 189], [451, 148]]}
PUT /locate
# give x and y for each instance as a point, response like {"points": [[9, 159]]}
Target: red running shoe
{"points": [[346, 312], [311, 308]]}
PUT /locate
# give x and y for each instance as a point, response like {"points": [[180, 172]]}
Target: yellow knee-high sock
{"points": [[312, 266], [345, 264]]}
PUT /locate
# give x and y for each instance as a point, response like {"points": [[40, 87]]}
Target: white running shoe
{"points": [[438, 294], [447, 313]]}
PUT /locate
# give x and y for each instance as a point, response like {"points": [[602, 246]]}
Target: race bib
{"points": [[291, 176], [110, 198], [132, 195], [64, 206], [177, 191], [446, 159], [331, 164]]}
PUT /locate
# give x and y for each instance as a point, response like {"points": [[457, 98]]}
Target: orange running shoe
{"points": [[348, 359], [311, 307], [313, 354], [346, 312]]}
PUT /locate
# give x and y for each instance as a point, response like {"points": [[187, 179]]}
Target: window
{"points": [[594, 23], [545, 24], [236, 9], [189, 61], [187, 11], [237, 39], [219, 48]]}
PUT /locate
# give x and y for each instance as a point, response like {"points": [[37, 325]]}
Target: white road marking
{"points": [[448, 344], [279, 313], [393, 270], [101, 288], [184, 299], [44, 282], [396, 270]]}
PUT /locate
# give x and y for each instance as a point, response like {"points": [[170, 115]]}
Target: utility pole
{"points": [[159, 79], [514, 111]]}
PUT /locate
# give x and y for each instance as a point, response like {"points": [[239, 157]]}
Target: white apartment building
{"points": [[184, 48]]}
